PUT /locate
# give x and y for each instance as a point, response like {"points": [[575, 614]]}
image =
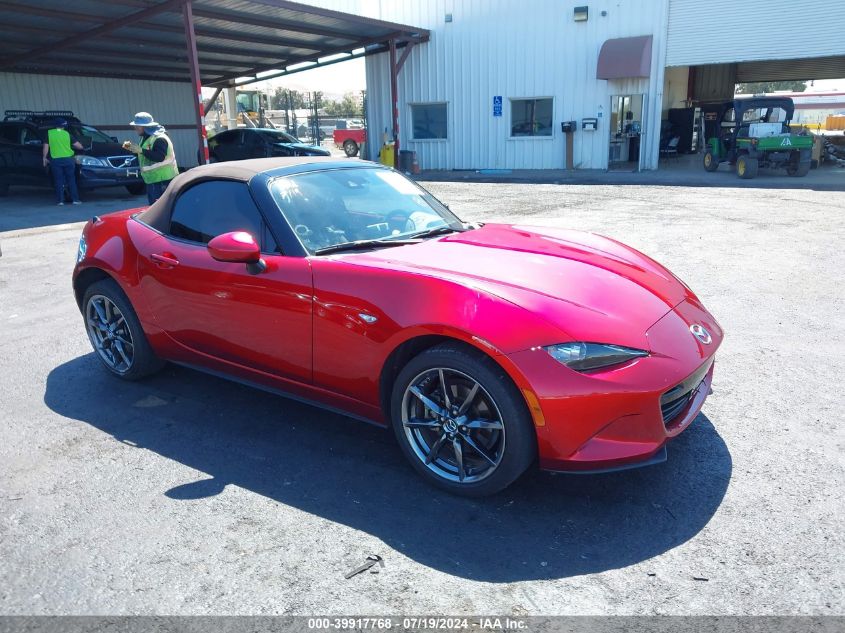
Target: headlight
{"points": [[587, 356], [81, 249], [89, 161]]}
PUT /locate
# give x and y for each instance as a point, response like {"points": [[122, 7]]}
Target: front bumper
{"points": [[610, 420], [96, 177]]}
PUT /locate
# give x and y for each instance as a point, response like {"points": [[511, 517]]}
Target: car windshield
{"points": [[327, 208], [278, 137], [79, 131]]}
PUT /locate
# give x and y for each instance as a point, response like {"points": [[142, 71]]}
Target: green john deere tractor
{"points": [[752, 133]]}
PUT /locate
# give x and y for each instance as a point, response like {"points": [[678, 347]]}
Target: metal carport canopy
{"points": [[217, 43]]}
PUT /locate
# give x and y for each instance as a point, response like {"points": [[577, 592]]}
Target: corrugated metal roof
{"points": [[145, 39]]}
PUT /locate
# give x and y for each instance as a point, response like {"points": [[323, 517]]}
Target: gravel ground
{"points": [[186, 494]]}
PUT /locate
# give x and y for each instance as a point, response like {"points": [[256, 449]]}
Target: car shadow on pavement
{"points": [[545, 526]]}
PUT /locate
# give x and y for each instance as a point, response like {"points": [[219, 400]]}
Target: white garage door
{"points": [[728, 31]]}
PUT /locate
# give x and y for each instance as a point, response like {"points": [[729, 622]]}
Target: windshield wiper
{"points": [[363, 244], [438, 230]]}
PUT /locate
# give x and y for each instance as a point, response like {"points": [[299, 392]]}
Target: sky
{"points": [[827, 85], [337, 79]]}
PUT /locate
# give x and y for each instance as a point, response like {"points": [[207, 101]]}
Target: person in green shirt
{"points": [[58, 154], [156, 156]]}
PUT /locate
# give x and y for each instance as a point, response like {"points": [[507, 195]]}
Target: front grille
{"points": [[119, 162], [673, 408], [674, 401]]}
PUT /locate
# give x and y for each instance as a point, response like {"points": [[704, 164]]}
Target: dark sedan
{"points": [[246, 143]]}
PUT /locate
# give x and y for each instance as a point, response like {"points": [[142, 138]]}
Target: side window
{"points": [[29, 136], [10, 134], [212, 208], [251, 139], [227, 138]]}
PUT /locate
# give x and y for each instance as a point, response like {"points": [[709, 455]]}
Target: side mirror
{"points": [[113, 138], [237, 247]]}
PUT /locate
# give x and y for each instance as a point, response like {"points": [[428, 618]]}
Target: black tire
{"points": [[799, 171], [350, 148], [137, 188], [512, 445], [746, 167], [711, 163], [144, 362]]}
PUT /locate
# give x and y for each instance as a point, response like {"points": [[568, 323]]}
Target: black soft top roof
{"points": [[749, 103], [158, 214]]}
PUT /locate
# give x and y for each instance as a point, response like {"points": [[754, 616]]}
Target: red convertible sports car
{"points": [[487, 347]]}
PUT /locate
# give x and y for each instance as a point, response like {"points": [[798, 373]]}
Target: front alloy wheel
{"points": [[453, 425], [461, 421]]}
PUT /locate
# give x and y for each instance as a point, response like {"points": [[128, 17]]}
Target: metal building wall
{"points": [[108, 103], [514, 49], [726, 31]]}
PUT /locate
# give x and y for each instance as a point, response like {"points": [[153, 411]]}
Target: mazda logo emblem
{"points": [[700, 333]]}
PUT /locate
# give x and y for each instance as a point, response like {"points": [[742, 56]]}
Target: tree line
{"points": [[284, 98]]}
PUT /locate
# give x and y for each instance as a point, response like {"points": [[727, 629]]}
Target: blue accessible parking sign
{"points": [[497, 106]]}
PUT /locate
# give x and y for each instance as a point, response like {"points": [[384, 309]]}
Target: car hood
{"points": [[304, 146], [591, 287], [101, 150]]}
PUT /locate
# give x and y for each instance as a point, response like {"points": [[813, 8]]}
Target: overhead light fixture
{"points": [[332, 58], [300, 65], [580, 14]]}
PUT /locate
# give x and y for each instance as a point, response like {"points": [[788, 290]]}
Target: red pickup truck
{"points": [[350, 140]]}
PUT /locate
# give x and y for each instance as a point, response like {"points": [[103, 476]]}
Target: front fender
{"points": [[362, 315]]}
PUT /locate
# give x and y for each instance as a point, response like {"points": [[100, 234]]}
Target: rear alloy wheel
{"points": [[461, 422], [350, 148], [115, 332], [710, 162], [746, 167]]}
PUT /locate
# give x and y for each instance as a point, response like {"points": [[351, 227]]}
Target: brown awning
{"points": [[625, 57]]}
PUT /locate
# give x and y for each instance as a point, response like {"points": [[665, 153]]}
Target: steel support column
{"points": [[394, 100], [196, 82], [207, 105]]}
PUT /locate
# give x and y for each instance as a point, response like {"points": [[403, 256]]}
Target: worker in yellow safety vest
{"points": [[58, 154], [156, 157]]}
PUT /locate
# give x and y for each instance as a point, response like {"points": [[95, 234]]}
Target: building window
{"points": [[428, 121], [531, 117]]}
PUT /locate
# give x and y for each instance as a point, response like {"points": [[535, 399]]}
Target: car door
{"points": [[9, 152], [31, 157], [263, 321], [19, 160], [254, 145], [225, 145]]}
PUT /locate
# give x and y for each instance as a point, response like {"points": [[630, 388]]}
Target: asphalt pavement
{"points": [[187, 494]]}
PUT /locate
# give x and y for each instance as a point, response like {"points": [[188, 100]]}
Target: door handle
{"points": [[165, 260]]}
